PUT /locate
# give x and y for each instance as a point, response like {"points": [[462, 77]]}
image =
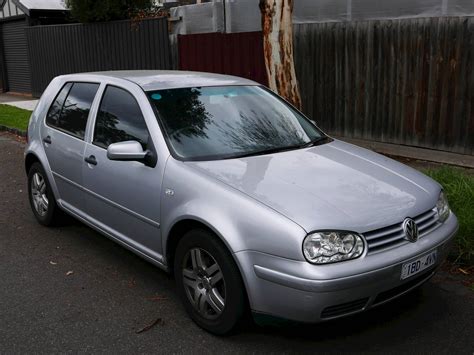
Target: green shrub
{"points": [[459, 188], [107, 10]]}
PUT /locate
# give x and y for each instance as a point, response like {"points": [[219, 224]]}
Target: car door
{"points": [[124, 196], [63, 138]]}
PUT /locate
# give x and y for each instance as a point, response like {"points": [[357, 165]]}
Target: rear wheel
{"points": [[41, 197], [209, 282]]}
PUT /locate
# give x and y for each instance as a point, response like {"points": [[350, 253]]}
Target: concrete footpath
{"points": [[20, 101]]}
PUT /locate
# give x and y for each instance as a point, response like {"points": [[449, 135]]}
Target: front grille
{"points": [[386, 295], [344, 308], [393, 236]]}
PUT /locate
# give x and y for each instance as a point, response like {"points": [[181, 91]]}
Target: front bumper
{"points": [[300, 291]]}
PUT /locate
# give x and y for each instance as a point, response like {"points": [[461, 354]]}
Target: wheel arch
{"points": [[32, 156], [30, 159], [180, 228]]}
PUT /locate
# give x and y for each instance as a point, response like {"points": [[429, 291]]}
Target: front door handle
{"points": [[47, 139], [91, 160]]}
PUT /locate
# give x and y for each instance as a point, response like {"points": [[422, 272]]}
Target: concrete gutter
{"points": [[397, 150]]}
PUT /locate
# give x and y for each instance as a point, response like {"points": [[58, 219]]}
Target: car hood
{"points": [[332, 186]]}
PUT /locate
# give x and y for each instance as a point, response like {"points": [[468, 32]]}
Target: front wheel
{"points": [[209, 282]]}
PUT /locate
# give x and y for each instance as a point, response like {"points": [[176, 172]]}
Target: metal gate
{"points": [[18, 77]]}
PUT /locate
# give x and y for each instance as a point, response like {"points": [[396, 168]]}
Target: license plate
{"points": [[415, 266]]}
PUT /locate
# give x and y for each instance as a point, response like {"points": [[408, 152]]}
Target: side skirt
{"points": [[149, 255]]}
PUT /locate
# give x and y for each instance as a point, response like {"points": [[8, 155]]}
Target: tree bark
{"points": [[277, 29]]}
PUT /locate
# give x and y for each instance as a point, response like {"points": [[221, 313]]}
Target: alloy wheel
{"points": [[38, 194], [204, 283]]}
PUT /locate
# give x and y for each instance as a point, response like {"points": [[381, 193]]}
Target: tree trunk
{"points": [[278, 48]]}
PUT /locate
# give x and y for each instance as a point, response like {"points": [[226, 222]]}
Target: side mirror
{"points": [[126, 151]]}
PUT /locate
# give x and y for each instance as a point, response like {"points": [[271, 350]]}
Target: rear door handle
{"points": [[47, 139], [91, 160]]}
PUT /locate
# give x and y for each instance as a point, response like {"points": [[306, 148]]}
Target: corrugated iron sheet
{"points": [[18, 78], [64, 49], [238, 54]]}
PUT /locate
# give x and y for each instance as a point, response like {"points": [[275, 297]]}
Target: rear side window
{"points": [[52, 118], [71, 107], [119, 119]]}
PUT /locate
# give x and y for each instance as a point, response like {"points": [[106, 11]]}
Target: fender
{"points": [[208, 201]]}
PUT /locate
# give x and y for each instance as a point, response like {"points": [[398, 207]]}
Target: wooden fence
{"points": [[407, 81]]}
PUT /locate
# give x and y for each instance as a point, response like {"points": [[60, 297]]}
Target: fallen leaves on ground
{"points": [[157, 298], [132, 283], [149, 326]]}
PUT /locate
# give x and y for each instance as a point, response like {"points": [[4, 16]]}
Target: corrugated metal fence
{"points": [[404, 81], [63, 49], [238, 54], [16, 64]]}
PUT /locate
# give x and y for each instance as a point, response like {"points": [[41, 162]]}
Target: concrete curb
{"points": [[16, 131], [397, 150], [466, 161]]}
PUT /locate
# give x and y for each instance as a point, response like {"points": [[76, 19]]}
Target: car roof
{"points": [[151, 80]]}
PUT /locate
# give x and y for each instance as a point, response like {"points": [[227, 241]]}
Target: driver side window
{"points": [[119, 119]]}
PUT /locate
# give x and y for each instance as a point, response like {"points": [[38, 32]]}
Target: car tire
{"points": [[42, 201], [215, 302]]}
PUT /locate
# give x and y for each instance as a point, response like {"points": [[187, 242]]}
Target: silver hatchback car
{"points": [[221, 182]]}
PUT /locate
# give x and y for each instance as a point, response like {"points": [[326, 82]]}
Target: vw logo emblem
{"points": [[411, 230]]}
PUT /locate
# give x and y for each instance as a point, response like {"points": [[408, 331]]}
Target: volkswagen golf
{"points": [[236, 193]]}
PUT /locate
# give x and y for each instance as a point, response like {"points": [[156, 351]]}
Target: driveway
{"points": [[70, 289]]}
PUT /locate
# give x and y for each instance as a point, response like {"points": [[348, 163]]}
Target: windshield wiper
{"points": [[312, 143], [264, 151]]}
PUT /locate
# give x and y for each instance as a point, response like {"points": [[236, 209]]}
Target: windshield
{"points": [[208, 123]]}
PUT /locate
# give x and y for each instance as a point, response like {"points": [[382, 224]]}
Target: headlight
{"points": [[443, 207], [331, 247]]}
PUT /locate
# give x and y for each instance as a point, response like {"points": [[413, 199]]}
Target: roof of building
{"points": [[46, 5], [167, 79]]}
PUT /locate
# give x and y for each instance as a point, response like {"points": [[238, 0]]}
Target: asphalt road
{"points": [[112, 293]]}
